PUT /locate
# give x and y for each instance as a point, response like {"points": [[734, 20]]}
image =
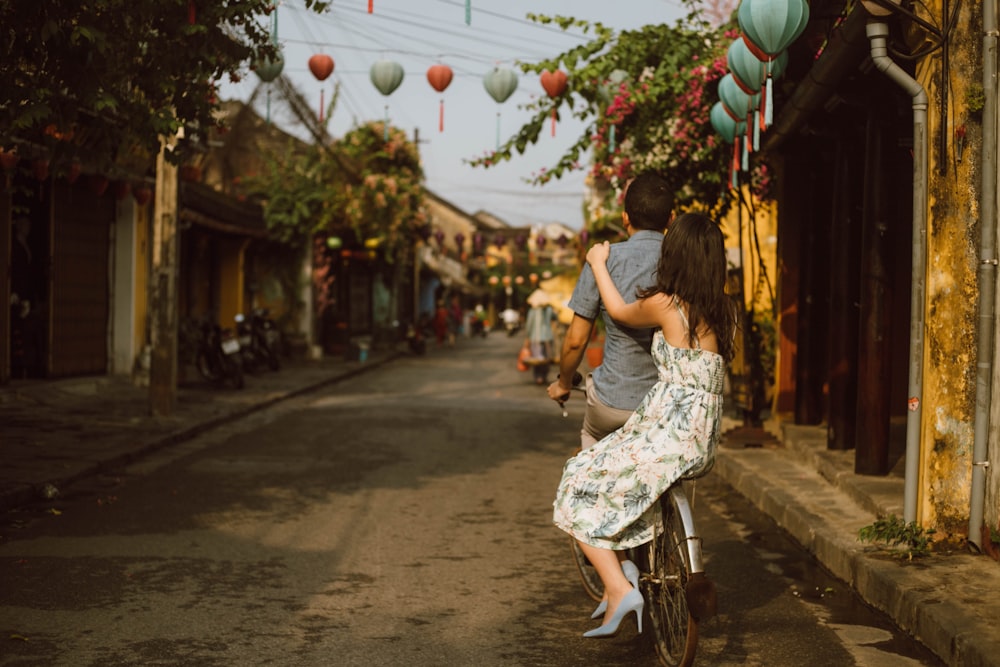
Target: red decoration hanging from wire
{"points": [[554, 84], [321, 65], [439, 76]]}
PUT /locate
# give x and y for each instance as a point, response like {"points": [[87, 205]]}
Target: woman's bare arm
{"points": [[647, 312]]}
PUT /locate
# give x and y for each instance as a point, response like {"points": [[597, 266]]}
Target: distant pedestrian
{"points": [[440, 322], [455, 318], [540, 338]]}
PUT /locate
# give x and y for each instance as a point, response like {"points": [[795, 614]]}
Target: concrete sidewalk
{"points": [[53, 433]]}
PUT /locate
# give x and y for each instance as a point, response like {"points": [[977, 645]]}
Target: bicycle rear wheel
{"points": [[592, 583], [675, 630]]}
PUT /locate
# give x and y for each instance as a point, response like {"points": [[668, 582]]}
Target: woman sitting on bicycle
{"points": [[608, 497]]}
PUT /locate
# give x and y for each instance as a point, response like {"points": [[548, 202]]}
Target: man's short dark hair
{"points": [[649, 201]]}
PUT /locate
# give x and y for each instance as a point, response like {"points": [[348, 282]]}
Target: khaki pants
{"points": [[599, 419]]}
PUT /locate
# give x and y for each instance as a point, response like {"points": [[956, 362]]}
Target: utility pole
{"points": [[163, 297]]}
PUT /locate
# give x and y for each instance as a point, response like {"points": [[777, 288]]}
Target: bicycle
{"points": [[672, 577]]}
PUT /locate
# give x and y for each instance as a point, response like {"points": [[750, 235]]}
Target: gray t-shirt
{"points": [[627, 372]]}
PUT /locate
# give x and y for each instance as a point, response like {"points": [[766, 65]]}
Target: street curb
{"points": [[27, 494]]}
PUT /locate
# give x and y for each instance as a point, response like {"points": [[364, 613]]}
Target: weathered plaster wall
{"points": [[949, 364]]}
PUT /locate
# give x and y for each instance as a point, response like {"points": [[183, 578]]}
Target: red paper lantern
{"points": [[439, 76], [555, 84], [8, 159], [321, 65], [142, 194]]}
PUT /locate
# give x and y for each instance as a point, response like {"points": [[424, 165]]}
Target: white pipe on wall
{"points": [[877, 32], [987, 277]]}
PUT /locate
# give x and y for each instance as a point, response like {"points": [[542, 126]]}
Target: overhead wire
{"points": [[410, 36]]}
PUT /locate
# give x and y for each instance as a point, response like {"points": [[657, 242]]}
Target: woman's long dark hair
{"points": [[693, 267]]}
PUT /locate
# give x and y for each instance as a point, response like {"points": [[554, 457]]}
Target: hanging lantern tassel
{"points": [[441, 116], [756, 133], [553, 121], [322, 103], [268, 118], [385, 131], [611, 140], [734, 164], [769, 99], [371, 6], [749, 143], [192, 14], [498, 130], [468, 12], [746, 155]]}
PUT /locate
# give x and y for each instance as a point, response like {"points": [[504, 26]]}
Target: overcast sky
{"points": [[420, 33]]}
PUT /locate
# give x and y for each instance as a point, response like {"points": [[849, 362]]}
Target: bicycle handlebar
{"points": [[577, 379]]}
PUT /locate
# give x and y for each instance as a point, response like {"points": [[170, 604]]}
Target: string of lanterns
{"points": [[755, 59], [387, 75]]}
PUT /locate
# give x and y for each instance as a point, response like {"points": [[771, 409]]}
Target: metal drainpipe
{"points": [[877, 32], [987, 277]]}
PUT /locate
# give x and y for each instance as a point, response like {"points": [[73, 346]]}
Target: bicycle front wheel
{"points": [[592, 583], [675, 630]]}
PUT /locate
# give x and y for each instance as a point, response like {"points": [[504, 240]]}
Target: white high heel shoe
{"points": [[631, 602], [631, 573]]}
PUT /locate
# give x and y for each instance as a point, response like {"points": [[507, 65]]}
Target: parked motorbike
{"points": [[415, 336], [259, 340], [218, 355]]}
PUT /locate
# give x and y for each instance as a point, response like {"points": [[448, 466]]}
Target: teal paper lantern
{"points": [[741, 107], [269, 69], [386, 76], [731, 131], [500, 84], [746, 68], [612, 85], [736, 101], [722, 122], [770, 26], [753, 75]]}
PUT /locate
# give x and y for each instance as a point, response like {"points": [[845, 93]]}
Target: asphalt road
{"points": [[400, 518]]}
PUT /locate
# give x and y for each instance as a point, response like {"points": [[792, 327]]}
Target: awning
{"points": [[451, 272]]}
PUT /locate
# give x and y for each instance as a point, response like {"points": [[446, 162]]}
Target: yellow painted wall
{"points": [[765, 223], [949, 361], [230, 280]]}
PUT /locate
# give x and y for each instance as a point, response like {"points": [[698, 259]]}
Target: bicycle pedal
{"points": [[702, 600]]}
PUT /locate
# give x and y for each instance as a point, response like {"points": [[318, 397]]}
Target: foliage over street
{"points": [[100, 81], [308, 192], [645, 96]]}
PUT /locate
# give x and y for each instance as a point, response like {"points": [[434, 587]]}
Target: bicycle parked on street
{"points": [[672, 578]]}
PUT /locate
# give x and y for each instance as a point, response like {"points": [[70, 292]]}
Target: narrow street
{"points": [[399, 518]]}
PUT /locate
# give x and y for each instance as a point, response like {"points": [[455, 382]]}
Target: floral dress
{"points": [[608, 494]]}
